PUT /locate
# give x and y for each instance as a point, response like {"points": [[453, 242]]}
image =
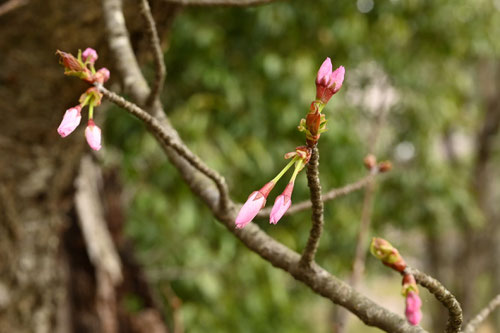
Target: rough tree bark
{"points": [[40, 255], [37, 167]]}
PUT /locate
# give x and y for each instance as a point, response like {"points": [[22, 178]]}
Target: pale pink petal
{"points": [[282, 203], [93, 135], [337, 78], [324, 71], [89, 55], [280, 207], [250, 209], [412, 312], [70, 121]]}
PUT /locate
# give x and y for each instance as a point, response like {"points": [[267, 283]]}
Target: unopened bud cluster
{"points": [[328, 82], [389, 255], [370, 163], [82, 67], [257, 199]]}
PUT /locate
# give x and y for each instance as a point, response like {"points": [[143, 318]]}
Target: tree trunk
{"points": [[37, 166]]}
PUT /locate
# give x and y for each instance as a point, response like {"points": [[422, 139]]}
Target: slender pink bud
{"points": [[70, 121], [93, 135], [337, 78], [102, 75], [89, 55], [281, 205], [413, 304], [328, 82], [324, 73], [255, 202]]}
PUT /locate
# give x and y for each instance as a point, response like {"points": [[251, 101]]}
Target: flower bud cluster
{"points": [[328, 83], [257, 199], [82, 67], [390, 257]]}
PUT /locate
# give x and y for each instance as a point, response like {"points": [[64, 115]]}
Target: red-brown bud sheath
{"points": [[385, 166], [313, 120]]}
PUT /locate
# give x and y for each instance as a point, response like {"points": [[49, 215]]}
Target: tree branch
{"points": [[319, 280], [161, 134], [442, 295], [226, 3], [327, 196], [99, 244], [119, 43], [317, 209], [473, 325], [11, 5], [155, 44]]}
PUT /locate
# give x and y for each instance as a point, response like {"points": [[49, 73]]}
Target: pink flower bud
{"points": [[73, 66], [255, 202], [413, 304], [70, 121], [93, 135], [102, 75], [388, 254], [328, 82], [89, 55], [281, 205], [324, 73]]}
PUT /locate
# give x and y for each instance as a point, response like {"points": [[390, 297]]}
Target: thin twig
{"points": [[154, 40], [227, 3], [317, 209], [158, 130], [443, 295], [473, 325], [358, 265], [327, 196]]}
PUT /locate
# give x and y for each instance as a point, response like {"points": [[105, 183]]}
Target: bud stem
{"points": [[91, 110], [86, 101], [285, 169], [298, 166]]}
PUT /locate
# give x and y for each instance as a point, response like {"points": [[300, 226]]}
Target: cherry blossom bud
{"points": [[385, 166], [255, 202], [413, 304], [89, 55], [102, 75], [370, 161], [385, 252], [70, 121], [73, 66], [93, 135], [281, 204], [328, 83]]}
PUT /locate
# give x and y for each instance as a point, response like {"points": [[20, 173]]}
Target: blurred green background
{"points": [[239, 81]]}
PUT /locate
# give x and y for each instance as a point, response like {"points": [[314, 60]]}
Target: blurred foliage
{"points": [[239, 81]]}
